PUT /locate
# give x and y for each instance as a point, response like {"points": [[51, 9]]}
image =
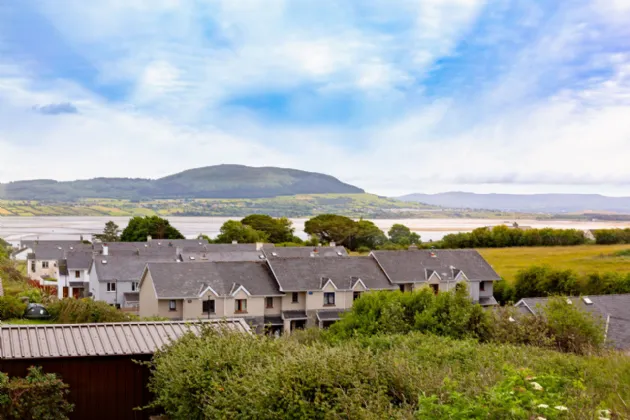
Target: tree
{"points": [[233, 230], [331, 228], [402, 235], [278, 230], [367, 235], [111, 233], [140, 227]]}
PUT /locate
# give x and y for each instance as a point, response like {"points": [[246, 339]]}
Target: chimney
{"points": [[333, 244], [105, 249], [149, 238], [234, 242], [413, 248], [315, 252], [178, 251], [259, 246], [433, 255]]}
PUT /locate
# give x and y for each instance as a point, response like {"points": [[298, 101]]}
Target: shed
{"points": [[97, 361]]}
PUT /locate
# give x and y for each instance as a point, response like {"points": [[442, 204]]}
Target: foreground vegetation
{"points": [[584, 259], [223, 375]]}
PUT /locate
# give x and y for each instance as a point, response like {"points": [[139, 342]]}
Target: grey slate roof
{"points": [[311, 273], [416, 266], [273, 320], [294, 315], [305, 251], [85, 340], [132, 296], [223, 256], [329, 315], [46, 253], [184, 280], [79, 260], [614, 308], [126, 267], [51, 243], [206, 247]]}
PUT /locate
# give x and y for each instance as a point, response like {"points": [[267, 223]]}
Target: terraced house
{"points": [[314, 287]]}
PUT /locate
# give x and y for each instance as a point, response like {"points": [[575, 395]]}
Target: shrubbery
{"points": [[38, 396], [612, 236], [78, 311], [503, 236], [11, 307], [231, 375], [542, 281]]}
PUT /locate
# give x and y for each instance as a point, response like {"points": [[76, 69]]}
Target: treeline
{"points": [[611, 236], [542, 281], [505, 236]]}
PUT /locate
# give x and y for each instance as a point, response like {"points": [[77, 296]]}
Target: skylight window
{"points": [[192, 258], [104, 261], [262, 257], [275, 254], [340, 253], [587, 300]]}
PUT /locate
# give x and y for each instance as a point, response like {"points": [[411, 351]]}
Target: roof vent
{"points": [[71, 247], [340, 253], [104, 261], [587, 300], [262, 257], [59, 247], [569, 302], [433, 255], [199, 243], [275, 254], [159, 243], [192, 258], [234, 242]]}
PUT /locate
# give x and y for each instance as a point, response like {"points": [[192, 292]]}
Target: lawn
{"points": [[582, 259], [27, 322]]}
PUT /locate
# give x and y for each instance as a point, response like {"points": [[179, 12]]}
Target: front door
{"points": [[298, 324], [65, 292], [77, 292]]}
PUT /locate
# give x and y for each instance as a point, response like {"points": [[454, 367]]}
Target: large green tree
{"points": [[233, 230], [331, 228], [277, 230], [402, 235], [367, 235], [111, 233], [158, 228]]}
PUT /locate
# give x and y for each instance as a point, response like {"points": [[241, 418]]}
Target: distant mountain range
{"points": [[221, 181], [546, 203]]}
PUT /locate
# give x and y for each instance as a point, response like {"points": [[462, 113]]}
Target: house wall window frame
{"points": [[44, 264], [329, 298], [172, 305], [135, 286], [111, 287], [208, 306], [269, 302], [295, 297], [77, 274], [482, 286], [240, 306], [33, 267], [356, 295]]}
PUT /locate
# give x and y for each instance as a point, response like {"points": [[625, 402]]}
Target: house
{"points": [[441, 270], [74, 274], [27, 247], [612, 310], [115, 278], [282, 294], [244, 289], [318, 290], [43, 262], [98, 361], [590, 235]]}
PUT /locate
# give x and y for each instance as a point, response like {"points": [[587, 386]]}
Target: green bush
{"points": [[231, 375], [78, 311], [11, 307], [37, 396], [33, 294]]}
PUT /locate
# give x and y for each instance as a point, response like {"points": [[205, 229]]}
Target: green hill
{"points": [[222, 181]]}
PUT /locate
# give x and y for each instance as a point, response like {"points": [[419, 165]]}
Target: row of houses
{"points": [[281, 288]]}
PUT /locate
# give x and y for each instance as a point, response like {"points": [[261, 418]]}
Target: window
{"points": [[208, 306], [482, 286], [240, 306], [435, 287], [329, 299], [269, 302], [356, 295], [77, 274], [111, 287], [44, 264], [401, 287], [135, 286], [172, 305], [32, 266], [294, 297]]}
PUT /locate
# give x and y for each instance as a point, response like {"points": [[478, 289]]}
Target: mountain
{"points": [[546, 203], [221, 181]]}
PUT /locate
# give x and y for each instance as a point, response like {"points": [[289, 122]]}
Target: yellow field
{"points": [[582, 259]]}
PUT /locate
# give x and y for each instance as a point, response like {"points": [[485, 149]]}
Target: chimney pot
{"points": [[105, 249], [149, 238], [234, 242], [333, 244]]}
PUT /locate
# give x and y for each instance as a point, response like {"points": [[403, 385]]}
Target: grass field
{"points": [[582, 259]]}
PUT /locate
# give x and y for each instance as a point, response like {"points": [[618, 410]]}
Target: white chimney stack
{"points": [[333, 244], [105, 249], [149, 238], [234, 242], [259, 246]]}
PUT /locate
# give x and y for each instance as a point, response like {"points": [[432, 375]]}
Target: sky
{"points": [[394, 96]]}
